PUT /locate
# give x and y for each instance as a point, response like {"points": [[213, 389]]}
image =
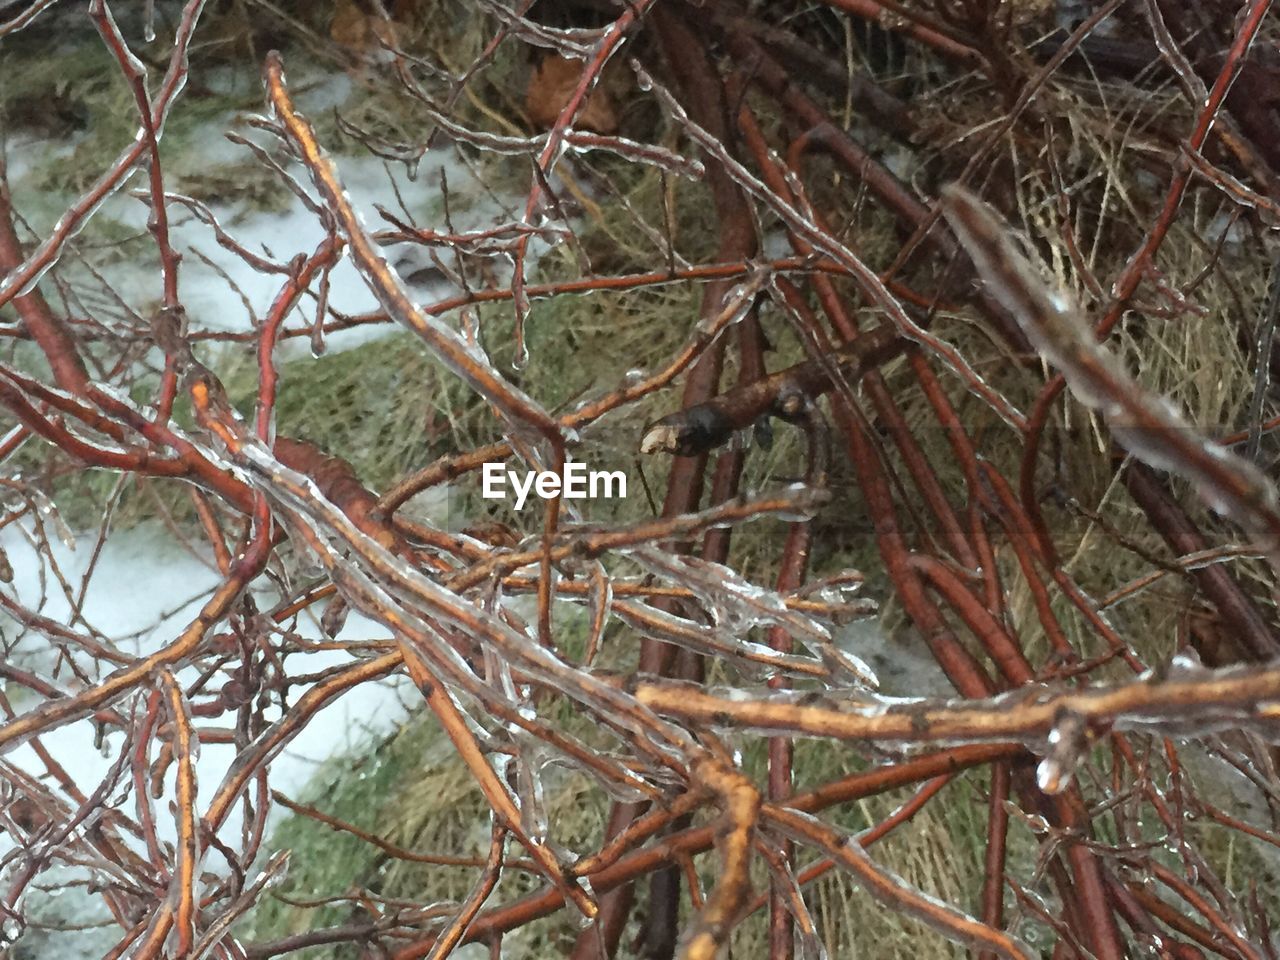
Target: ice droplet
{"points": [[11, 929], [1051, 777], [1066, 741]]}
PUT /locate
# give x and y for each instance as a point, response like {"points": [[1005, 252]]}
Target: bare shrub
{"points": [[1030, 421]]}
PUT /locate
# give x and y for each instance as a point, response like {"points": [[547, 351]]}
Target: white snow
{"points": [[145, 589], [206, 288], [901, 661]]}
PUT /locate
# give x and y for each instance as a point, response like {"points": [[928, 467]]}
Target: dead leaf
{"points": [[550, 88], [361, 32]]}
